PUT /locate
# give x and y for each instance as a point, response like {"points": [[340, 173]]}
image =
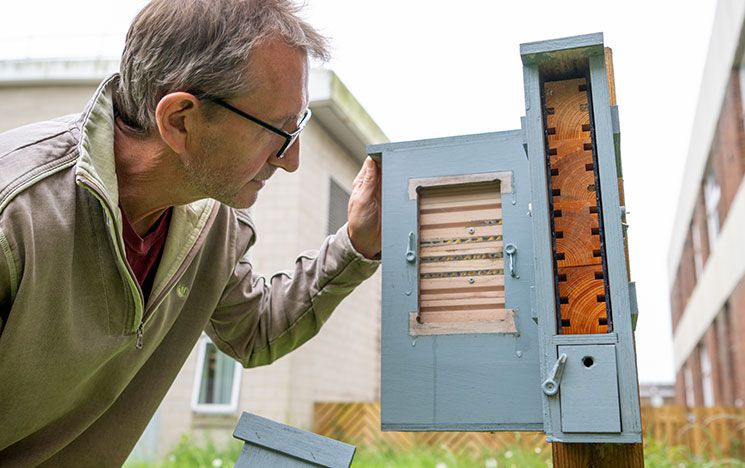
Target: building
{"points": [[295, 212], [656, 394], [706, 258]]}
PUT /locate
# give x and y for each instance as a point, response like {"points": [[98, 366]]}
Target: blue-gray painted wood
{"points": [[615, 247], [282, 445], [543, 266], [541, 51], [589, 390], [253, 456], [468, 382], [634, 304], [537, 59], [605, 338]]}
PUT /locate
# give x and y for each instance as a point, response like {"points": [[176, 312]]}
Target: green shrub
{"points": [[188, 454]]}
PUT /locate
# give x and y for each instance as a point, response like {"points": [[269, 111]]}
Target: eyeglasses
{"points": [[289, 137]]}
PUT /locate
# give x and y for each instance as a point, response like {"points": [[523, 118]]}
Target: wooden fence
{"points": [[714, 432]]}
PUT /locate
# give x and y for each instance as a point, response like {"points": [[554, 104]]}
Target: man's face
{"points": [[233, 156]]}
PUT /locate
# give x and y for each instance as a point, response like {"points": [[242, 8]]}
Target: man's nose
{"points": [[291, 161]]}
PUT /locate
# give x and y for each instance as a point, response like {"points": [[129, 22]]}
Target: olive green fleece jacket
{"points": [[84, 360]]}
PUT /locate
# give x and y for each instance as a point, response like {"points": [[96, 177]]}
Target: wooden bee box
{"points": [[504, 261]]}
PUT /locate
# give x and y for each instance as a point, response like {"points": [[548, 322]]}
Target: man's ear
{"points": [[176, 116]]}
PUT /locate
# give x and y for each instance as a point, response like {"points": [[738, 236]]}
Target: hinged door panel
{"points": [[589, 390], [458, 343]]}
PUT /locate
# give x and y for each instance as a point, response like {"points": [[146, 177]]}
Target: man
{"points": [[123, 232]]}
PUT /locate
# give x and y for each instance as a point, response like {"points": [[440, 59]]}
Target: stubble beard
{"points": [[210, 182]]}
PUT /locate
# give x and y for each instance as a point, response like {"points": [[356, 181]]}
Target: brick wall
{"points": [[680, 388], [711, 345], [699, 224], [737, 343], [694, 363], [727, 147], [722, 338]]}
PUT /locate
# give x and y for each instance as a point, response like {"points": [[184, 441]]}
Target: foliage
{"points": [[443, 457], [656, 455], [189, 454]]}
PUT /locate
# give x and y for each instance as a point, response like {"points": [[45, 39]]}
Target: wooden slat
{"points": [[459, 232], [429, 218], [462, 249], [610, 75], [570, 109], [359, 424], [582, 290], [461, 258], [438, 267], [495, 313], [718, 432], [464, 293], [453, 304], [429, 286]]}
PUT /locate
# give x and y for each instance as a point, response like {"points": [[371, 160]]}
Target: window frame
{"points": [[213, 408], [707, 382], [712, 198], [348, 194]]}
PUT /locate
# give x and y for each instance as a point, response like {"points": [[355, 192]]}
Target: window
{"points": [[712, 194], [338, 201], [724, 350], [706, 381], [698, 258], [217, 380]]}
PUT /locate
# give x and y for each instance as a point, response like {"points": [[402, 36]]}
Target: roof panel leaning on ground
{"points": [[74, 384]]}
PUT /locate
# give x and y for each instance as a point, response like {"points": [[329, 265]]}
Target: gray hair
{"points": [[205, 45]]}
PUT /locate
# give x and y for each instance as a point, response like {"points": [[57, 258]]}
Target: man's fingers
{"points": [[370, 177], [360, 176]]}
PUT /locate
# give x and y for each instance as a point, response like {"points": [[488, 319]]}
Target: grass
{"points": [[656, 455]]}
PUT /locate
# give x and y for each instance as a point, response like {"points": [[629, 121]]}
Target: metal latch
{"points": [[550, 386], [511, 251], [410, 254]]}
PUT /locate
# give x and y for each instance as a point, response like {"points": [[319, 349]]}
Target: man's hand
{"points": [[364, 210]]}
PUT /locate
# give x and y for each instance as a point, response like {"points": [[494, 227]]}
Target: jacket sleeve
{"points": [[261, 319]]}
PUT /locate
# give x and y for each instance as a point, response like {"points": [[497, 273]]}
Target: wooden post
{"points": [[597, 455]]}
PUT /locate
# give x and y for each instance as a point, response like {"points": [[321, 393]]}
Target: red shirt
{"points": [[143, 253]]}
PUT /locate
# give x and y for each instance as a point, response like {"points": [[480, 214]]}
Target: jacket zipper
{"points": [[144, 316], [155, 303], [121, 257]]}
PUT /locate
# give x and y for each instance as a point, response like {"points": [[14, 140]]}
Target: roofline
{"points": [[333, 105], [725, 50], [342, 115]]}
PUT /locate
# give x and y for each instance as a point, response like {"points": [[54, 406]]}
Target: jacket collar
{"points": [[96, 167], [96, 161]]}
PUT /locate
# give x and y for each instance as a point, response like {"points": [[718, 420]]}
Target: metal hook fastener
{"points": [[410, 254], [511, 252], [550, 386]]}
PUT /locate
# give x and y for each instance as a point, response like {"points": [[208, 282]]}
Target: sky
{"points": [[426, 69]]}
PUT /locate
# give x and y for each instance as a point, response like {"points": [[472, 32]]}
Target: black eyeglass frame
{"points": [[289, 137]]}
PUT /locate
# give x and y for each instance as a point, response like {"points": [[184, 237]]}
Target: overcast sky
{"points": [[425, 69]]}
